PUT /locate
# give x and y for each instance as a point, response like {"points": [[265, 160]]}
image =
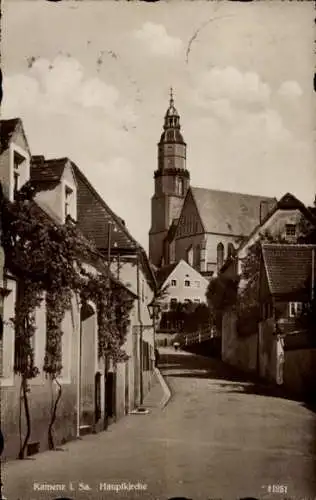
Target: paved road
{"points": [[219, 437]]}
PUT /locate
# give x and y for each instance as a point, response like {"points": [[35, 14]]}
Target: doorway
{"points": [[88, 364]]}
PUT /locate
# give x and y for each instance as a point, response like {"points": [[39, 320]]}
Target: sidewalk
{"points": [[110, 457], [155, 396]]}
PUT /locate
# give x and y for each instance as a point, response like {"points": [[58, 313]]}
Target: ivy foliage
{"points": [[48, 259]]}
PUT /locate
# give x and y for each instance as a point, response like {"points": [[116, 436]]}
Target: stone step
{"points": [[85, 429]]}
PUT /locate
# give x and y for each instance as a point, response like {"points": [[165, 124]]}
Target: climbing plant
{"points": [[47, 259], [114, 304]]}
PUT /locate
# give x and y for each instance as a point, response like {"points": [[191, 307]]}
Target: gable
{"points": [[274, 224], [180, 270], [190, 222], [13, 131], [68, 174]]}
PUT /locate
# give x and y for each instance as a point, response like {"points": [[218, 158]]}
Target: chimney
{"points": [[38, 160]]}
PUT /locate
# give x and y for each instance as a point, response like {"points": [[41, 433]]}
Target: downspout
{"points": [[79, 373], [139, 317]]}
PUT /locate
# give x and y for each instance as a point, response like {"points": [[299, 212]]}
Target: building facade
{"points": [[92, 393]]}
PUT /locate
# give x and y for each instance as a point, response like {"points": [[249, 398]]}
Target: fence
{"points": [[197, 337]]}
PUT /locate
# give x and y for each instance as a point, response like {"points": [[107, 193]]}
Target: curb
{"points": [[166, 390]]}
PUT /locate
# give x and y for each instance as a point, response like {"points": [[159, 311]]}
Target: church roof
{"points": [[225, 212]]}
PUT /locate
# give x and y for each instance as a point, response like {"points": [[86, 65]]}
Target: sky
{"points": [[91, 81]]}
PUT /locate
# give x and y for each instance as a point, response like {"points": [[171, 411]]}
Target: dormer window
{"points": [[17, 163]]}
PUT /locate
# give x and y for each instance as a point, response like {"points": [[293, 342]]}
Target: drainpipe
{"points": [[79, 372], [140, 334]]}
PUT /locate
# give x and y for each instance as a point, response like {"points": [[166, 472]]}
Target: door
{"points": [[88, 339]]}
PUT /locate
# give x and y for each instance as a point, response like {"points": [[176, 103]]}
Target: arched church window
{"points": [[220, 255], [197, 259], [179, 186], [230, 250], [190, 255]]}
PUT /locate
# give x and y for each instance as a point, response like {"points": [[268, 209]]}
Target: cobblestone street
{"points": [[218, 437]]}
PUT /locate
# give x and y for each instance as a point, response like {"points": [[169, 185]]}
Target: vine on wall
{"points": [[48, 259]]}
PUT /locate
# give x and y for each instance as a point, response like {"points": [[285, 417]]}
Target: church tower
{"points": [[172, 181]]}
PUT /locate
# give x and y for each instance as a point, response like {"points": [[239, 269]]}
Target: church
{"points": [[199, 225]]}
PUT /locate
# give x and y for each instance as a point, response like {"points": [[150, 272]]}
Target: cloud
{"points": [[230, 83], [157, 41], [290, 89], [59, 87]]}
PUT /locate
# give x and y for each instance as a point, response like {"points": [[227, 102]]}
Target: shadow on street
{"points": [[232, 379]]}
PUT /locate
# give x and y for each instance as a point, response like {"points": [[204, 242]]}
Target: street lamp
{"points": [[154, 309]]}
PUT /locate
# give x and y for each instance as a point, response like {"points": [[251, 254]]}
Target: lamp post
{"points": [[154, 310]]}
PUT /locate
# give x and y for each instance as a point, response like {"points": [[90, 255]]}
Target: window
{"points": [[16, 176], [267, 311], [187, 283], [197, 301], [173, 303], [68, 193], [290, 230], [230, 250], [197, 284], [180, 187], [295, 309], [173, 282], [17, 162], [187, 301], [220, 255], [197, 257], [190, 256]]}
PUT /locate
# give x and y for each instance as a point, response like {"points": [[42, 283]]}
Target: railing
{"points": [[197, 337]]}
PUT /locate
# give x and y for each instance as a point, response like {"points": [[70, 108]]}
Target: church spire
{"points": [[172, 118], [171, 102]]}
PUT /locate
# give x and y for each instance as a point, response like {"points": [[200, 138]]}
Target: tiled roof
{"points": [[163, 273], [289, 269], [225, 212], [47, 170], [7, 129], [94, 217]]}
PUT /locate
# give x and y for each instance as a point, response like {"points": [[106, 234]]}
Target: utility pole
{"points": [[141, 385], [106, 361]]}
